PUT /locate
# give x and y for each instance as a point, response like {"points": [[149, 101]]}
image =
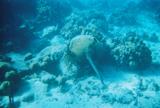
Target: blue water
{"points": [[80, 53]]}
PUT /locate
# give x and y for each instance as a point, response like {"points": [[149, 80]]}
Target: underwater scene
{"points": [[80, 54]]}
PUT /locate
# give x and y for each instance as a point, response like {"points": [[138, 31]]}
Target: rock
{"points": [[108, 98], [28, 56], [69, 67], [48, 59], [49, 32], [49, 79], [154, 38], [4, 67], [143, 84], [28, 97], [91, 86], [11, 76], [5, 58], [67, 86], [5, 88], [125, 97], [153, 86]]}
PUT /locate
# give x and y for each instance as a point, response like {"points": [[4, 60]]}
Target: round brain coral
{"points": [[81, 44], [131, 53]]}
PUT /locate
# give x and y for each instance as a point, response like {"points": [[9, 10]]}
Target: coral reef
{"points": [[130, 52], [48, 58], [9, 80], [79, 53], [85, 23], [52, 12]]}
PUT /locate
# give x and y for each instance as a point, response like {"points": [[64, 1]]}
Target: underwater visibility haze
{"points": [[80, 54]]}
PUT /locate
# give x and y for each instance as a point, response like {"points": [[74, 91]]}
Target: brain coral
{"points": [[80, 44], [130, 52]]}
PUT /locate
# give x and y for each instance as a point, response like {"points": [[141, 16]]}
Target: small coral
{"points": [[130, 52]]}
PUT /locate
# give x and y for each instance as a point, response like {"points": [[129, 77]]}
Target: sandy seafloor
{"points": [[122, 89]]}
